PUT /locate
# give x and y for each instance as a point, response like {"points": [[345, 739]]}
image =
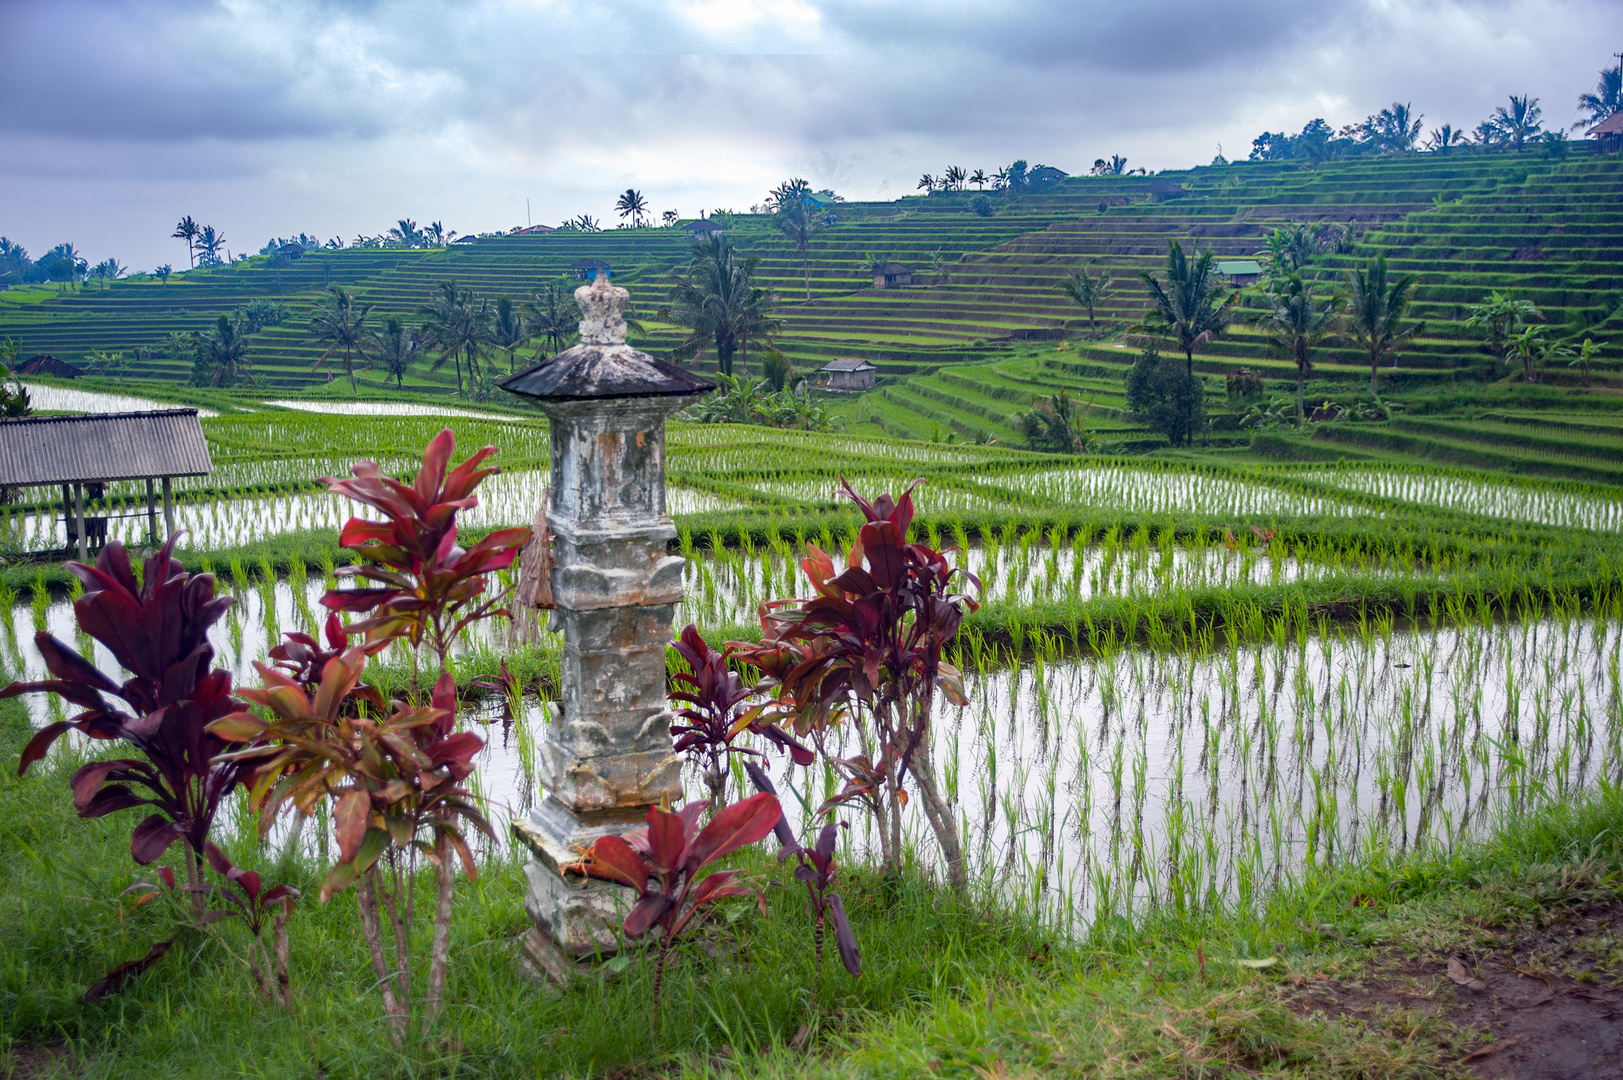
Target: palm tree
{"points": [[1376, 308], [798, 217], [1295, 323], [553, 315], [222, 355], [1513, 127], [632, 205], [669, 218], [406, 233], [508, 331], [396, 348], [341, 322], [209, 243], [437, 234], [926, 183], [1606, 101], [718, 303], [1290, 247], [1190, 307], [1395, 128], [979, 179], [187, 230], [162, 272], [457, 328], [953, 179], [1115, 166], [1087, 290], [1443, 138]]}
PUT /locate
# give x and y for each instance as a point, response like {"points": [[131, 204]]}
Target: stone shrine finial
{"points": [[602, 310]]}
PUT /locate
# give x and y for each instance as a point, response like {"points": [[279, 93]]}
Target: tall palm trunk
{"points": [[805, 263], [1301, 411]]}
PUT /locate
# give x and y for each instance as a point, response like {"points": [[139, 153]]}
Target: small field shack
{"points": [[83, 454], [847, 375], [892, 274]]}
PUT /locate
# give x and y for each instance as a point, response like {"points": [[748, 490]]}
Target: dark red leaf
{"points": [[114, 980], [152, 838], [739, 825], [850, 956]]}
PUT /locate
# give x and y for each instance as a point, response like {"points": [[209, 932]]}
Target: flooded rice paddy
{"points": [[67, 399], [1093, 784]]}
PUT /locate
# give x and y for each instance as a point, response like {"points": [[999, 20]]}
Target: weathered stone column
{"points": [[606, 755]]}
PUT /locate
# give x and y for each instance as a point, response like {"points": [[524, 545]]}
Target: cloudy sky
{"points": [[268, 117]]}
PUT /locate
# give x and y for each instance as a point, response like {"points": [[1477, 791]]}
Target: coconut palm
{"points": [[1192, 306], [1606, 101], [395, 348], [508, 331], [1516, 126], [979, 179], [458, 329], [1296, 322], [406, 234], [221, 355], [717, 301], [1443, 138], [953, 179], [553, 314], [798, 217], [187, 230], [209, 242], [926, 183], [340, 321], [1116, 165], [632, 205], [437, 234], [1376, 308], [1290, 247], [1087, 290], [1395, 128]]}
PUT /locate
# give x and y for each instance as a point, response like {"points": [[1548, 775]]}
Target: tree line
{"points": [[1516, 125]]}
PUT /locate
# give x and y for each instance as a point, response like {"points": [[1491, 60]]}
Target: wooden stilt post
{"points": [[80, 547], [168, 509], [152, 514], [67, 514]]}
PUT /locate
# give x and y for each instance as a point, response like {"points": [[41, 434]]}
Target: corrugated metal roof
{"points": [[848, 365], [1239, 266], [103, 446]]}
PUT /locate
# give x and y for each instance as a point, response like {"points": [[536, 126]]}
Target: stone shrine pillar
{"points": [[606, 755]]}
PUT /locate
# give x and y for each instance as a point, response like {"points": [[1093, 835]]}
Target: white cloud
{"points": [[270, 117]]}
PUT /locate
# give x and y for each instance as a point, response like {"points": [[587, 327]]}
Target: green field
{"points": [[987, 329], [1261, 734]]}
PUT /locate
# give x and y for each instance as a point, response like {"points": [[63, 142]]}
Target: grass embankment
{"points": [[951, 987]]}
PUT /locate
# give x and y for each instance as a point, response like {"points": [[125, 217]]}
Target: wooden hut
{"points": [[41, 364], [1609, 133], [1241, 272], [892, 274], [74, 453], [589, 269], [704, 229], [847, 375]]}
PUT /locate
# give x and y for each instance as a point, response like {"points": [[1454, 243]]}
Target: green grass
{"points": [[950, 987]]}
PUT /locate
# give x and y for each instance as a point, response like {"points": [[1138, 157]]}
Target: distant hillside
{"points": [[1551, 231]]}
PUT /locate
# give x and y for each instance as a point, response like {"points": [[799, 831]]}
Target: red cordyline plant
{"points": [[395, 780], [394, 775], [817, 871], [424, 587], [713, 710], [872, 642], [157, 630], [663, 863]]}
